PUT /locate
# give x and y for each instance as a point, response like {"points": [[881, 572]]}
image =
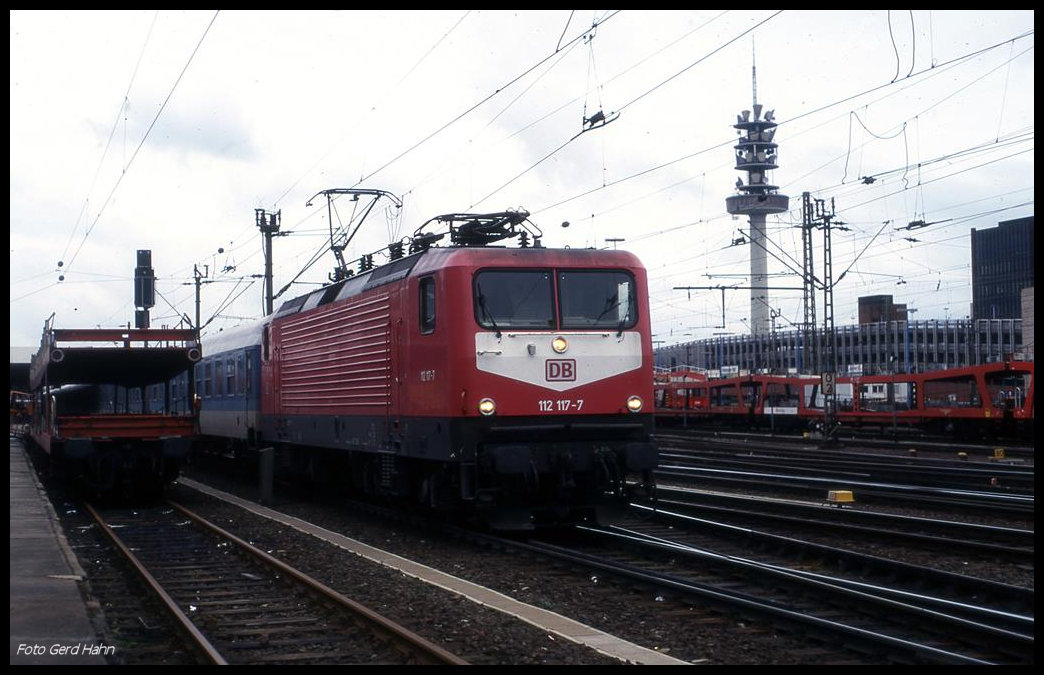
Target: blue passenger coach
{"points": [[228, 383]]}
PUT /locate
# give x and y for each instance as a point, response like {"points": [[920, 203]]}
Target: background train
{"points": [[113, 408], [986, 401], [509, 384]]}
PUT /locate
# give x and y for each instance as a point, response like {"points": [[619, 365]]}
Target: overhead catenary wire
{"points": [[472, 108], [728, 143], [373, 109], [645, 172], [445, 126], [626, 105], [141, 143], [108, 141], [621, 186], [953, 61]]}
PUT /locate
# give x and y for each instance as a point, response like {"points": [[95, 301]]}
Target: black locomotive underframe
{"points": [[518, 472]]}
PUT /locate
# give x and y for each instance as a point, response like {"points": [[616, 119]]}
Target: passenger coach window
{"points": [[597, 299], [427, 305], [230, 378], [514, 299]]}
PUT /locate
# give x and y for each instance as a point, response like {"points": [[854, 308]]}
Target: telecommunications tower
{"points": [[756, 155]]}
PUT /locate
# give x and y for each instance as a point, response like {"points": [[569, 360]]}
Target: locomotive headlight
{"points": [[487, 406], [634, 403], [559, 344]]}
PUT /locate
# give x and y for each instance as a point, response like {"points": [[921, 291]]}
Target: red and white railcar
{"points": [[986, 400]]}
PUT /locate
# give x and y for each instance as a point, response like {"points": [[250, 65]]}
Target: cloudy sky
{"points": [[167, 130]]}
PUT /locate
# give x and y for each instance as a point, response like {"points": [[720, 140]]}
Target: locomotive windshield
{"points": [[596, 299], [526, 299], [514, 299]]}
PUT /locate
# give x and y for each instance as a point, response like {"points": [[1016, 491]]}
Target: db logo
{"points": [[560, 370]]}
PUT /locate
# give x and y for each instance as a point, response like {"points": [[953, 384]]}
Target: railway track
{"points": [[804, 589], [893, 625], [952, 484], [934, 446], [901, 626], [240, 605], [851, 523], [990, 601]]}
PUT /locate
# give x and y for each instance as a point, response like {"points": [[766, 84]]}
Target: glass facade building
{"points": [[1001, 266]]}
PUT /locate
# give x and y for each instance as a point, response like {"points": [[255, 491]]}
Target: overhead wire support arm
{"points": [[709, 288], [734, 288]]}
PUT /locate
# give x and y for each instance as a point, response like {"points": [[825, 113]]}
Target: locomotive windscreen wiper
{"points": [[485, 310], [611, 303]]}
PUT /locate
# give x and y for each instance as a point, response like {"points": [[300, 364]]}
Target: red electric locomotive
{"points": [[112, 408], [514, 384]]}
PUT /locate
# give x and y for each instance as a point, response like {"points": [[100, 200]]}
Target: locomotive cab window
{"points": [[596, 299], [591, 299], [427, 305], [514, 299]]}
